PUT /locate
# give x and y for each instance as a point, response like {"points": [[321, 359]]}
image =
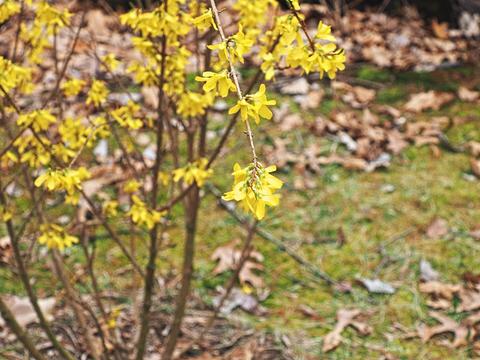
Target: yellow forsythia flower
{"points": [[5, 214], [324, 32], [254, 106], [73, 87], [110, 208], [8, 8], [164, 178], [124, 115], [254, 187], [204, 21], [141, 215], [12, 75], [193, 104], [235, 47], [55, 237], [66, 179], [219, 82], [131, 186], [110, 62], [196, 171], [40, 120], [98, 93]]}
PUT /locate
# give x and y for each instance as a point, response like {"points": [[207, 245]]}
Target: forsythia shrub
{"points": [[53, 149]]}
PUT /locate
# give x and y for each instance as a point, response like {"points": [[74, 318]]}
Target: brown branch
{"points": [[191, 213], [153, 250]]}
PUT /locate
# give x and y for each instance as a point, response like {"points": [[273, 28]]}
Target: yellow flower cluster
{"points": [[110, 208], [48, 20], [141, 215], [8, 8], [254, 106], [73, 87], [32, 151], [39, 120], [254, 187], [110, 62], [205, 21], [192, 104], [124, 115], [173, 22], [219, 83], [196, 171], [5, 214], [98, 93], [234, 47], [252, 14], [55, 237], [324, 57], [132, 186], [69, 180], [75, 134], [12, 76], [51, 17]]}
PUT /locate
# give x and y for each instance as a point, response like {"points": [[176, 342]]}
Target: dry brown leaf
{"points": [[474, 148], [470, 300], [354, 163], [247, 275], [228, 257], [295, 87], [248, 350], [363, 147], [309, 312], [475, 164], [345, 318], [319, 125], [279, 153], [150, 96], [426, 140], [339, 85], [369, 118], [437, 228], [427, 100], [440, 29], [390, 110], [331, 159], [465, 94], [447, 325], [359, 96], [290, 122], [312, 99], [98, 22], [439, 304], [6, 251], [363, 95], [396, 141], [439, 289], [475, 233]]}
